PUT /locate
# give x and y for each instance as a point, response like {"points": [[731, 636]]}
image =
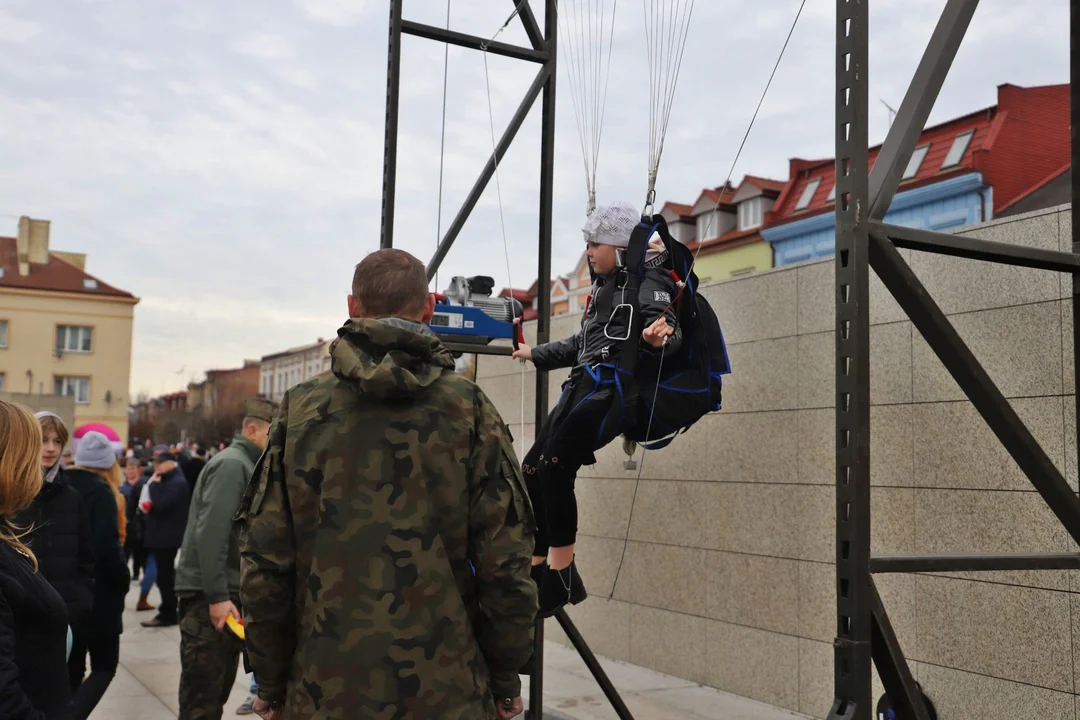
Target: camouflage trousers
{"points": [[208, 661]]}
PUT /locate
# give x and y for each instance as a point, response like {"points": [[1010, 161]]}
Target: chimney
{"points": [[32, 243]]}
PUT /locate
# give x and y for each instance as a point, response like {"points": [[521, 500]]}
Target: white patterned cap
{"points": [[612, 224]]}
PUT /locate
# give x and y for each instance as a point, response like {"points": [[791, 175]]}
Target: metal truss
{"points": [[863, 241], [543, 50]]}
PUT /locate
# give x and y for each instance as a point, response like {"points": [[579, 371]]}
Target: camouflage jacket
{"points": [[386, 539]]}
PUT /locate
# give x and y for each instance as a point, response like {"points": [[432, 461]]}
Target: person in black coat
{"points": [[164, 531], [58, 531], [99, 633], [33, 616]]}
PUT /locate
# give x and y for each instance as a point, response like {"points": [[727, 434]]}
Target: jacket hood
{"points": [[389, 358]]}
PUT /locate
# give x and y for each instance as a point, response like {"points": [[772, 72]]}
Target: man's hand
{"points": [[524, 352], [262, 709], [509, 708], [220, 612], [154, 478], [656, 333]]}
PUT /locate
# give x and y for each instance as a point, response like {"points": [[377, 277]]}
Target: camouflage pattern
{"points": [[385, 482], [208, 662], [260, 408]]}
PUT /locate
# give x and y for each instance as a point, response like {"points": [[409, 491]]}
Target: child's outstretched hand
{"points": [[524, 352], [656, 333]]}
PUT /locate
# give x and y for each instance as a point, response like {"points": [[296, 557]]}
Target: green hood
{"points": [[388, 358]]}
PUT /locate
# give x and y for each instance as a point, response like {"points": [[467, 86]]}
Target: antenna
{"points": [[892, 111]]}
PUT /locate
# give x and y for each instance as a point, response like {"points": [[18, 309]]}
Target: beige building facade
{"points": [[63, 332], [280, 371]]}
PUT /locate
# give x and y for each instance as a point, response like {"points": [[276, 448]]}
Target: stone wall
{"points": [[728, 577]]}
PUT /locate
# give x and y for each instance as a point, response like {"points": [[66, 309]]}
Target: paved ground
{"points": [[146, 683]]}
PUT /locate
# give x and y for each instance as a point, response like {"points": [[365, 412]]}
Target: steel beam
{"points": [[393, 85], [892, 666], [910, 120], [474, 42], [1074, 102], [974, 563], [593, 664], [958, 359], [532, 29], [477, 349], [978, 249], [538, 84], [853, 588], [543, 279]]}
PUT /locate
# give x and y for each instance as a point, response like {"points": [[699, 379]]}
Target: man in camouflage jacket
{"points": [[387, 534]]}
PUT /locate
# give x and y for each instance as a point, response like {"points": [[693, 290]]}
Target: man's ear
{"points": [[429, 308], [354, 306]]}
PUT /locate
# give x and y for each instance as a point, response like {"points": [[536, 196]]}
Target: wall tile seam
{"points": [[993, 677], [709, 619], [712, 550], [1000, 583]]}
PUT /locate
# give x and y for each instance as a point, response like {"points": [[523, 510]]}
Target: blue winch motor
{"points": [[467, 314]]}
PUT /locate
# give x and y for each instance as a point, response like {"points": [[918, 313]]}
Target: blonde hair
{"points": [[114, 477], [20, 470]]}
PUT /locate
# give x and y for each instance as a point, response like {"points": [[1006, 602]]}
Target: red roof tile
{"points": [[765, 183], [677, 208], [1017, 143], [54, 276]]}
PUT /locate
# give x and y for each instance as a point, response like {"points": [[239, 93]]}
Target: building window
{"points": [[808, 194], [959, 147], [2, 376], [832, 194], [743, 271], [915, 162], [708, 226], [73, 338], [76, 387], [750, 214], [3, 333]]}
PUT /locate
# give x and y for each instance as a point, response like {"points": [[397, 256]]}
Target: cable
{"points": [[498, 190], [442, 141], [712, 214]]}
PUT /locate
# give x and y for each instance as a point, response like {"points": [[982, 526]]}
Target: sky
{"points": [[223, 161]]}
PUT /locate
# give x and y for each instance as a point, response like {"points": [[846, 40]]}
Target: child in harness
{"points": [[590, 412]]}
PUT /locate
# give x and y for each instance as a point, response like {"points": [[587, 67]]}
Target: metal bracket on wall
{"points": [[543, 51], [864, 632]]}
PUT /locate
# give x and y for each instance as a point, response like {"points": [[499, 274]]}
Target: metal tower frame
{"points": [[865, 241], [544, 51]]}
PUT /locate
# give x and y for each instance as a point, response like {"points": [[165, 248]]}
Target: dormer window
{"points": [[708, 226], [808, 194], [832, 194], [750, 214], [89, 283], [959, 147], [915, 162]]}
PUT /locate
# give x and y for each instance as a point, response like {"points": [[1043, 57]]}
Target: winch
{"points": [[467, 314]]}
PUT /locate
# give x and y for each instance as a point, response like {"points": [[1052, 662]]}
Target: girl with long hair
{"points": [[97, 476], [33, 616]]}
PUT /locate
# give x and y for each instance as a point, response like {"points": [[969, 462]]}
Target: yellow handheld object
{"points": [[236, 626]]}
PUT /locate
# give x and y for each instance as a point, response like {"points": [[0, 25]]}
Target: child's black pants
{"points": [[586, 418]]}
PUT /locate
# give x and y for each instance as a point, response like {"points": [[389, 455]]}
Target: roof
{"points": [[731, 239], [939, 140], [766, 184], [57, 275], [1017, 144], [677, 208], [522, 296], [291, 351]]}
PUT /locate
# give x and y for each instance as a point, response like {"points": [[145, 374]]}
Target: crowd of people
{"points": [[369, 547]]}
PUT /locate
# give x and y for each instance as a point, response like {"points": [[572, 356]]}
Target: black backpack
{"points": [[668, 396]]}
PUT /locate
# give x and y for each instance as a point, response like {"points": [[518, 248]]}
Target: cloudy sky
{"points": [[223, 161]]}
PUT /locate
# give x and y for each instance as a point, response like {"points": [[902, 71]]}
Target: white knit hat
{"points": [[612, 224]]}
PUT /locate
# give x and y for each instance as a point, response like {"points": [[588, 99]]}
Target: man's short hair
{"points": [[390, 283]]}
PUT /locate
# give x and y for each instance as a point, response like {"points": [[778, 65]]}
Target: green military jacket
{"points": [[386, 539], [210, 555]]}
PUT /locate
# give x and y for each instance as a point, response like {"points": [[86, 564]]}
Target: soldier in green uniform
{"points": [[208, 576], [387, 534]]}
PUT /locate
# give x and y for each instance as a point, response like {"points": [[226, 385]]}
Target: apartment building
{"points": [[63, 331], [281, 371]]}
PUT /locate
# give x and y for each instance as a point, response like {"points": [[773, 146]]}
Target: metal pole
{"points": [[543, 279], [1074, 102], [853, 588], [393, 84], [593, 664]]}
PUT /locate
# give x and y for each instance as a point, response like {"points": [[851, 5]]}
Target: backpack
{"points": [[666, 397]]}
